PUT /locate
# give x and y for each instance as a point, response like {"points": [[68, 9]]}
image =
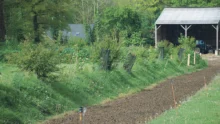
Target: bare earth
{"points": [[148, 104]]}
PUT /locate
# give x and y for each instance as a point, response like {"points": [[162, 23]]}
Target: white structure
{"points": [[187, 17]]}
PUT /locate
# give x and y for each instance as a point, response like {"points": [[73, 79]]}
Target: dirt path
{"points": [[144, 106]]}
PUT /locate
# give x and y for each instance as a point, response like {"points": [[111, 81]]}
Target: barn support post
{"points": [[155, 36], [217, 37], [217, 30], [156, 41], [186, 29]]}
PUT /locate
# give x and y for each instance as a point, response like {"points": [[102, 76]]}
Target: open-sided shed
{"points": [[201, 23]]}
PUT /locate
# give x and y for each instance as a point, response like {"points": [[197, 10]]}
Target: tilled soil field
{"points": [[148, 104]]}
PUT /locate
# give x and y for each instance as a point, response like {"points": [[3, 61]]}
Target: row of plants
{"points": [[49, 78]]}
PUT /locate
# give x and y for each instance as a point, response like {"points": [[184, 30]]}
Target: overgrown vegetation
{"points": [[30, 92], [41, 76], [39, 58], [203, 108]]}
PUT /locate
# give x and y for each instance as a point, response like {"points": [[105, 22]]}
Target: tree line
{"points": [[25, 19]]}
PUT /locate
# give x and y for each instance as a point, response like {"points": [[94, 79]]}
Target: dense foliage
{"points": [[115, 20], [41, 76], [23, 19], [41, 59], [30, 19]]}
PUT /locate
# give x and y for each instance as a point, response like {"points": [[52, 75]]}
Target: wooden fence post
{"points": [[188, 62], [194, 58]]}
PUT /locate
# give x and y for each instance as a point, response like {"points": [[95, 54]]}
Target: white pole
{"points": [[194, 58], [217, 29], [188, 62], [155, 36]]}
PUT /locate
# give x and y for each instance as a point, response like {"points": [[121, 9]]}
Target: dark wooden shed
{"points": [[201, 23]]}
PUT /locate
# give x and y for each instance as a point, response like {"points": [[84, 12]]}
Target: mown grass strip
{"points": [[203, 108]]}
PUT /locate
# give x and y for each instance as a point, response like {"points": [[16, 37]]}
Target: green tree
{"points": [[117, 19], [149, 11], [2, 21], [85, 11], [37, 16]]}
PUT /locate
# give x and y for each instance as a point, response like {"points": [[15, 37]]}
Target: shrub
{"points": [[77, 42], [134, 39], [76, 50], [153, 53], [39, 58], [168, 46], [140, 52], [188, 43], [106, 44]]}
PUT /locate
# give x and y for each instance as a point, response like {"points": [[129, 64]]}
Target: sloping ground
{"points": [[148, 104]]}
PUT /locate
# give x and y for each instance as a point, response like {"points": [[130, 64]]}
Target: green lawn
{"points": [[203, 108]]}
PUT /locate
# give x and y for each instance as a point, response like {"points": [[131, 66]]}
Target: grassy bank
{"points": [[203, 108], [26, 99], [32, 89]]}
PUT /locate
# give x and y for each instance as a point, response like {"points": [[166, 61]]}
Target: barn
{"points": [[201, 23]]}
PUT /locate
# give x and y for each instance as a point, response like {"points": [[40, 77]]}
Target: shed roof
{"points": [[189, 16]]}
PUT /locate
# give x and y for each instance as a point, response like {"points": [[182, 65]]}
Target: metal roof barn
{"points": [[191, 22], [189, 16]]}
